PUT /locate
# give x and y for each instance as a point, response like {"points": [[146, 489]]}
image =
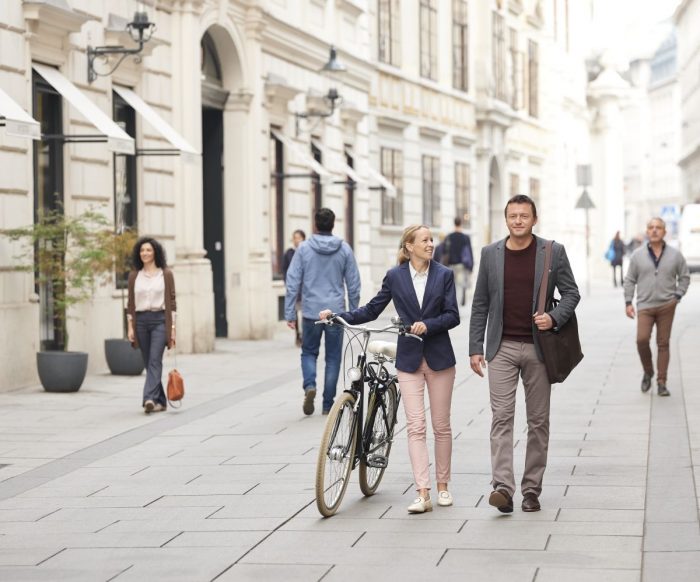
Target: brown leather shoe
{"points": [[500, 499], [530, 502]]}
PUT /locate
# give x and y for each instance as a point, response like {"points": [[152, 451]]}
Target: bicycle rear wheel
{"points": [[381, 419], [336, 455]]}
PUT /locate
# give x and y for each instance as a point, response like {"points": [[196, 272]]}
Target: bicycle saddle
{"points": [[381, 347]]}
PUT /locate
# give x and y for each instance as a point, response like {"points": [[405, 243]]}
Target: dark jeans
{"points": [[310, 345], [150, 331]]}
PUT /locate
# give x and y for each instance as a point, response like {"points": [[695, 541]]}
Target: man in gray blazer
{"points": [[504, 307]]}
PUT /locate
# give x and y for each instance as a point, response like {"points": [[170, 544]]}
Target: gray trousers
{"points": [[150, 331], [512, 360]]}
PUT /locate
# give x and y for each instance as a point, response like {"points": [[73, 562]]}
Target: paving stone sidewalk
{"points": [[222, 489]]}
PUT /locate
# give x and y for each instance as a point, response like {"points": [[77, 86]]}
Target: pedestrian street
{"points": [[223, 489]]}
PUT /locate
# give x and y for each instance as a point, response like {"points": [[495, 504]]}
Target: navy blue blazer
{"points": [[439, 314]]}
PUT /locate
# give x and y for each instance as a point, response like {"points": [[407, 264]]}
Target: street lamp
{"points": [[333, 69], [140, 29], [583, 178]]}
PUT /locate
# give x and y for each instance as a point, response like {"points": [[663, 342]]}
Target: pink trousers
{"points": [[440, 385]]}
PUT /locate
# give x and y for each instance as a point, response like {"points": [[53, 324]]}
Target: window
{"points": [[498, 55], [392, 170], [428, 39], [389, 32], [431, 190], [533, 73], [514, 184], [460, 44], [125, 202], [316, 188], [349, 203], [276, 205], [48, 197], [515, 76], [535, 190], [463, 193]]}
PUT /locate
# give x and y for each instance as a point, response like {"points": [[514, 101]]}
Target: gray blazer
{"points": [[487, 307]]}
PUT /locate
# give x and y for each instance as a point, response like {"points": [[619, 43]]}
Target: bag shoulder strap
{"points": [[544, 284]]}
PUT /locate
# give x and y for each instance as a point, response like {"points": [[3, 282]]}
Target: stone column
{"points": [[192, 269], [607, 148]]}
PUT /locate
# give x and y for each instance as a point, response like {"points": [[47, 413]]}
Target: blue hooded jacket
{"points": [[321, 268]]}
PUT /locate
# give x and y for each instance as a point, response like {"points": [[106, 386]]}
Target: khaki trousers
{"points": [[513, 360], [662, 316], [440, 386]]}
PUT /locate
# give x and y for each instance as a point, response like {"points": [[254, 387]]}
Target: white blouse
{"points": [[420, 280], [149, 291]]}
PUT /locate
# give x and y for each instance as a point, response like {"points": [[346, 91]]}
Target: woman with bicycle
{"points": [[424, 296]]}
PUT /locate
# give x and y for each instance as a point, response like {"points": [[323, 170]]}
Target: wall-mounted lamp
{"points": [[333, 69], [140, 29]]}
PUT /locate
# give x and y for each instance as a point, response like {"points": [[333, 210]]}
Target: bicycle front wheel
{"points": [[381, 418], [336, 455]]}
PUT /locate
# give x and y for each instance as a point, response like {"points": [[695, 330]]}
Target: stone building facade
{"points": [[448, 108]]}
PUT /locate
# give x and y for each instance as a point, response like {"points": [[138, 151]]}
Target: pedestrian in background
{"points": [[298, 237], [660, 275], [614, 254], [320, 270], [423, 292], [510, 273], [457, 255], [151, 314]]}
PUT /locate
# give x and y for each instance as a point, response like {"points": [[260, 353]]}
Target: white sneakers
{"points": [[422, 504], [148, 406], [445, 498]]}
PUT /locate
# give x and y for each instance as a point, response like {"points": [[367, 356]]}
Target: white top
{"points": [[149, 291], [420, 280]]}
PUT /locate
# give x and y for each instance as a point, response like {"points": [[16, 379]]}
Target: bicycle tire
{"points": [[332, 472], [371, 477]]}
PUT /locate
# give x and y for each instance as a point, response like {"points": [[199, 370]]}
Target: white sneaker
{"points": [[420, 505], [159, 408], [148, 406], [444, 498]]}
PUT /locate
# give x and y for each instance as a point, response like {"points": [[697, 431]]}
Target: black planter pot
{"points": [[122, 359], [61, 371]]}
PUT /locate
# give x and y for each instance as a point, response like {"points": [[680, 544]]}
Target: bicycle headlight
{"points": [[354, 374]]}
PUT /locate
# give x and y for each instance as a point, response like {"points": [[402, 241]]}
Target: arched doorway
{"points": [[496, 221], [213, 101]]}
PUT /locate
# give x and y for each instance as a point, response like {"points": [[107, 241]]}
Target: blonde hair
{"points": [[408, 236]]}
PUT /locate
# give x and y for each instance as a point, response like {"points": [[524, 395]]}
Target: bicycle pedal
{"points": [[377, 461]]}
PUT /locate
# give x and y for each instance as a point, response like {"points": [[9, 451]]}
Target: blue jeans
{"points": [[310, 344], [150, 331]]}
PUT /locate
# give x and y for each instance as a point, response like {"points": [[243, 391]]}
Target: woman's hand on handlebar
{"points": [[418, 328], [325, 314]]}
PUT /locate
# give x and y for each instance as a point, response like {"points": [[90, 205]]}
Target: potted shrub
{"points": [[122, 358], [66, 254]]}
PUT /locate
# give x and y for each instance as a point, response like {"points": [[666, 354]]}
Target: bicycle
{"points": [[344, 445]]}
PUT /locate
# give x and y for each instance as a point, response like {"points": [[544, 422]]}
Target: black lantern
{"points": [[140, 29]]}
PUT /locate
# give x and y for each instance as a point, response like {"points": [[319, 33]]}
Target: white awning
{"points": [[117, 140], [179, 143], [302, 156], [346, 169], [16, 120], [383, 182]]}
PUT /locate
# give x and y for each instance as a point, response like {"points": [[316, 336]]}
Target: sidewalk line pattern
{"points": [[52, 470]]}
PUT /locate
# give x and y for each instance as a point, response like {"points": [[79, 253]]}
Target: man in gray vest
{"points": [[504, 306], [660, 274]]}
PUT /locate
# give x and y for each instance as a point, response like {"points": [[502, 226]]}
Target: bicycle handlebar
{"points": [[337, 320]]}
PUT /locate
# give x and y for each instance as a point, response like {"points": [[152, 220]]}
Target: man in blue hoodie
{"points": [[321, 269]]}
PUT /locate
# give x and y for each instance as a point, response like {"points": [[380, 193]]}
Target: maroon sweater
{"points": [[518, 283]]}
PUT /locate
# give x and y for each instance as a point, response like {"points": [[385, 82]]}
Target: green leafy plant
{"points": [[68, 256]]}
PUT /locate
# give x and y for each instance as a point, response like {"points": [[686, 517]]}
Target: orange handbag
{"points": [[176, 387]]}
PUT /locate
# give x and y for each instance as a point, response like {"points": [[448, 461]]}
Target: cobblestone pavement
{"points": [[222, 489]]}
